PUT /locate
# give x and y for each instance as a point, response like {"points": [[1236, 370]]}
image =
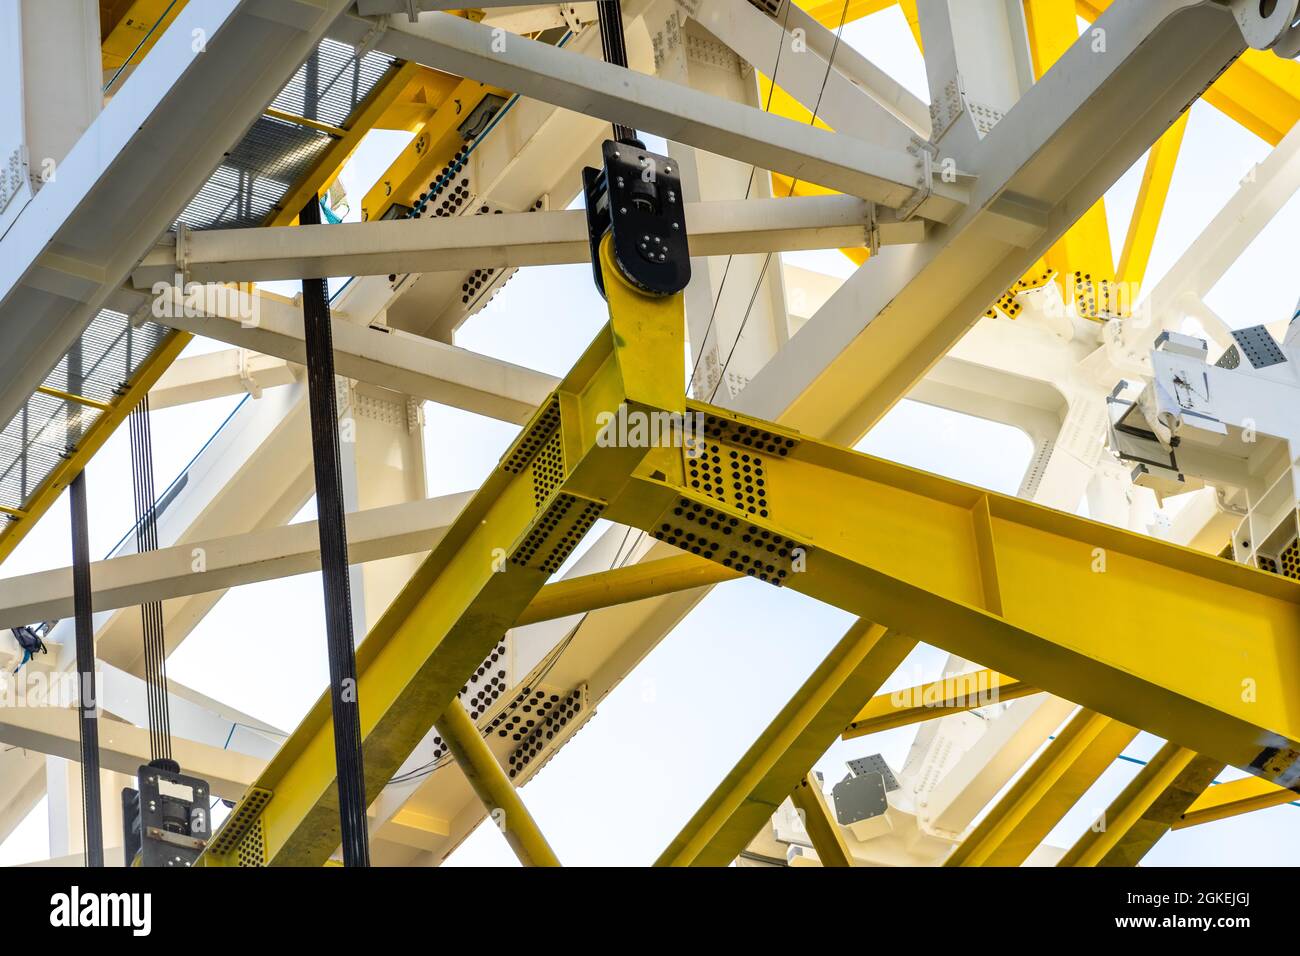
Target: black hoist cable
{"points": [[151, 620], [92, 816], [87, 723], [614, 46], [334, 561]]}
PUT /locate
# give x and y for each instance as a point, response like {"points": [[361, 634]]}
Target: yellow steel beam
{"points": [[1230, 799], [336, 154], [493, 788], [803, 730], [433, 149], [778, 101], [913, 21], [1145, 809], [820, 823], [524, 521], [128, 30], [1261, 91], [1120, 623], [951, 695], [1045, 792], [829, 13], [1082, 258], [338, 132], [74, 399], [1152, 194], [646, 579]]}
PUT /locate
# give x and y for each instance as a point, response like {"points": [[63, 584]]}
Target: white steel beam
{"points": [[118, 189], [198, 378], [22, 784], [885, 175], [607, 643], [62, 78], [125, 748], [254, 473], [975, 52], [803, 73], [261, 555], [605, 647], [505, 241], [736, 312], [1261, 195], [1060, 147], [871, 79], [383, 461], [398, 360]]}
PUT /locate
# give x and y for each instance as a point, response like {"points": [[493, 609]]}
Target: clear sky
{"points": [[664, 738]]}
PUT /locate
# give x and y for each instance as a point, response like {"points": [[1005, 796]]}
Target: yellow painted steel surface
{"points": [[1151, 634], [1260, 91], [130, 29], [524, 521], [493, 788], [98, 432], [433, 148], [634, 582], [951, 695], [1045, 792], [1232, 798], [1153, 192], [770, 770], [820, 823], [1082, 258], [1160, 637], [1145, 809]]}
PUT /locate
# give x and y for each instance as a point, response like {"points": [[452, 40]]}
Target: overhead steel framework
{"points": [[987, 281]]}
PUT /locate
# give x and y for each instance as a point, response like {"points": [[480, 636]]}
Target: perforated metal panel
{"points": [[547, 468], [1259, 346], [1291, 561], [537, 719], [714, 534], [528, 444], [252, 848], [1230, 359], [557, 533], [874, 763], [242, 831], [859, 798]]}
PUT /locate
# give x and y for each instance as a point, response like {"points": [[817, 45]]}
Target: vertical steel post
{"points": [[323, 404]]}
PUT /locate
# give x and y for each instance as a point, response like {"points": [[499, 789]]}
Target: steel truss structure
{"points": [[188, 136]]}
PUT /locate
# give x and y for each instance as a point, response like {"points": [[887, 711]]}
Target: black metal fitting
{"points": [[637, 198]]}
